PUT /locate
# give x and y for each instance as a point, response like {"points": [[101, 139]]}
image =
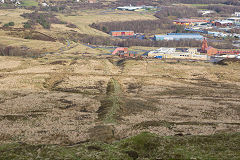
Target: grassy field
{"points": [[84, 18], [13, 15], [29, 3], [199, 5], [142, 146]]}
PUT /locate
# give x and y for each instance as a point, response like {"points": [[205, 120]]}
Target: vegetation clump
{"points": [[10, 24], [44, 19], [27, 25], [143, 146]]}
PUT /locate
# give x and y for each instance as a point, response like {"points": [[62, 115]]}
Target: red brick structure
{"points": [[123, 52], [120, 50], [204, 45], [122, 33], [211, 51]]}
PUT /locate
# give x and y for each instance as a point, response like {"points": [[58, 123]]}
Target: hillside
{"points": [[63, 95]]}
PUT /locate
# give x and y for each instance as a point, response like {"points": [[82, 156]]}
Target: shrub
{"points": [[44, 19], [11, 23], [27, 25], [43, 22], [70, 25], [144, 144], [6, 25]]}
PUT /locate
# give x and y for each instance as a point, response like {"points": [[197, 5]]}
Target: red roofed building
{"points": [[122, 33], [211, 51], [189, 21]]}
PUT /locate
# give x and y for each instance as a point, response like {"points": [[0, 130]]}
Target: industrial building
{"points": [[122, 33], [179, 36], [190, 22], [236, 14], [205, 53], [120, 50], [92, 1], [129, 8], [177, 53], [210, 51], [223, 23], [215, 34], [135, 8], [234, 19], [205, 12], [124, 53]]}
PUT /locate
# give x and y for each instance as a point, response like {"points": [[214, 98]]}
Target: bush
{"points": [[6, 25], [44, 19], [27, 25], [43, 22], [11, 23], [144, 144], [70, 25]]}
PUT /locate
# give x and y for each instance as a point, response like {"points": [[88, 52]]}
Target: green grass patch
{"points": [[143, 146], [199, 5], [29, 3], [111, 104]]}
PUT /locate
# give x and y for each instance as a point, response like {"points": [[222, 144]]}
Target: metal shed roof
{"points": [[183, 34], [177, 37]]}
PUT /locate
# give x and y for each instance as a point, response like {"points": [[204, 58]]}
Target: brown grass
{"points": [[44, 101]]}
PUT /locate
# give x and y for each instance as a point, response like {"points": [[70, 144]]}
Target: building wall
{"points": [[237, 14], [224, 24], [177, 37], [168, 53], [178, 56], [92, 1], [193, 50], [212, 51], [123, 33]]}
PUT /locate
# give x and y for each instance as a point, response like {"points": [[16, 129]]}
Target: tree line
{"points": [[44, 19], [177, 11], [139, 26], [110, 41], [223, 10], [198, 1]]}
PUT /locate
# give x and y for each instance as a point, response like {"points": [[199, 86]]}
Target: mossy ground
{"points": [[143, 146]]}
